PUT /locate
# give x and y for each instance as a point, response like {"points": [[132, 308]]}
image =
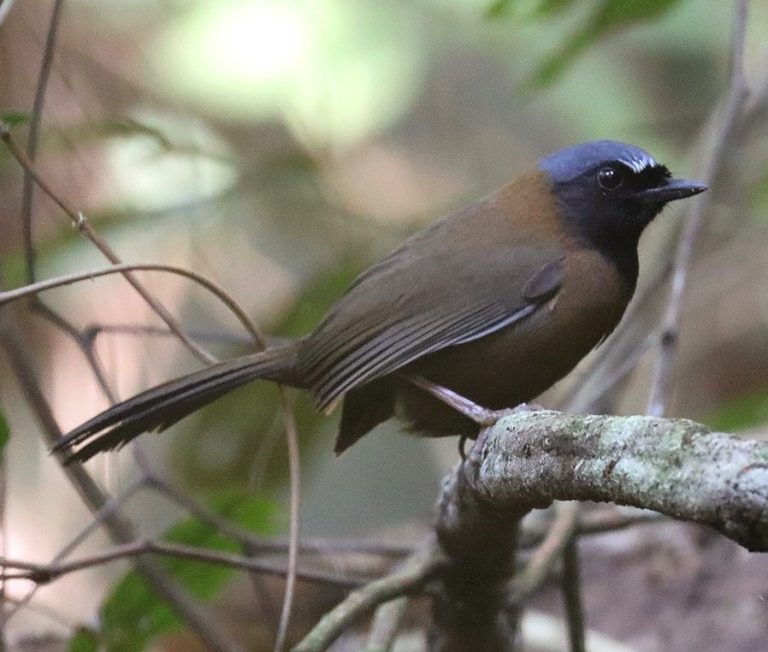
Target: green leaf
{"points": [[13, 118], [84, 640], [608, 17], [133, 614], [498, 8], [5, 434], [549, 8], [743, 412], [544, 9], [115, 127]]}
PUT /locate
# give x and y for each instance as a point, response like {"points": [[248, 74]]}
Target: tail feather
{"points": [[160, 407]]}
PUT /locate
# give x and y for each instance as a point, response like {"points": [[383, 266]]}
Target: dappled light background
{"points": [[278, 148]]}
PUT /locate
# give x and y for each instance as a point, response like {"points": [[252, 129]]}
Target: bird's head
{"points": [[610, 191]]}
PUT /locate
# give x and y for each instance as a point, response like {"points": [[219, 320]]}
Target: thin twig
{"points": [[80, 221], [546, 554], [254, 544], [571, 586], [120, 530], [738, 93], [601, 521], [611, 519], [386, 624], [46, 573], [409, 579], [93, 331], [27, 195], [109, 507], [82, 342], [123, 268], [231, 530], [294, 529], [586, 394], [289, 421], [27, 203]]}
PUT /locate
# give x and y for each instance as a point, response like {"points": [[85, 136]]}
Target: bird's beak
{"points": [[672, 189]]}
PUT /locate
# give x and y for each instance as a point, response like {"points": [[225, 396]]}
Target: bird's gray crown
{"points": [[571, 162]]}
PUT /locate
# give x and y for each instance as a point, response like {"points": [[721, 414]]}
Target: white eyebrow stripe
{"points": [[638, 164]]}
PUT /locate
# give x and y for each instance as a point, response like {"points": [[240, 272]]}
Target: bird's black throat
{"points": [[611, 225]]}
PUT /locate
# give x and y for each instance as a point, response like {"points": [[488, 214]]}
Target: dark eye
{"points": [[610, 178]]}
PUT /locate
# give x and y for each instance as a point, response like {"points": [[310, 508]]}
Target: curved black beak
{"points": [[672, 189]]}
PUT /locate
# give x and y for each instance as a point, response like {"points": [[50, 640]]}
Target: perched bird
{"points": [[496, 301]]}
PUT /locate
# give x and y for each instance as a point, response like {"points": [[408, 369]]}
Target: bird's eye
{"points": [[610, 178]]}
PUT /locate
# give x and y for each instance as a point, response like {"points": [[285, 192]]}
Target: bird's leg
{"points": [[462, 443], [481, 416], [476, 452]]}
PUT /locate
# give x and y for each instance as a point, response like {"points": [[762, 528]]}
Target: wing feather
{"points": [[478, 288]]}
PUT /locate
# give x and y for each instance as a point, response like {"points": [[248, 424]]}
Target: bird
{"points": [[495, 302]]}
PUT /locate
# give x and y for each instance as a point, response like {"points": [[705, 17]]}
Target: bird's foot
{"points": [[462, 444], [475, 455], [527, 407], [480, 415]]}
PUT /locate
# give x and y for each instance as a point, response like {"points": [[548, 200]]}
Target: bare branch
{"points": [[544, 557], [530, 459], [386, 624], [99, 517], [470, 609], [27, 195], [673, 466], [725, 137], [294, 535], [83, 225], [93, 331], [571, 587], [122, 268], [254, 544], [408, 579], [119, 529], [45, 573]]}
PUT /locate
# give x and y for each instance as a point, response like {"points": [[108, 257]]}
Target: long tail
{"points": [[160, 407]]}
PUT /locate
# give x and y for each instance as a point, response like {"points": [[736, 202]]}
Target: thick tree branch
{"points": [[529, 459], [673, 466]]}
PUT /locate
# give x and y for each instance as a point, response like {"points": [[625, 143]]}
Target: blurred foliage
{"points": [[13, 118], [605, 18], [5, 435], [133, 614], [608, 17], [313, 303], [760, 199], [250, 417], [272, 57], [119, 127], [278, 148], [741, 413], [84, 640]]}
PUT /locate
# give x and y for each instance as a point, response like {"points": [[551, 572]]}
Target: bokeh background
{"points": [[278, 147]]}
